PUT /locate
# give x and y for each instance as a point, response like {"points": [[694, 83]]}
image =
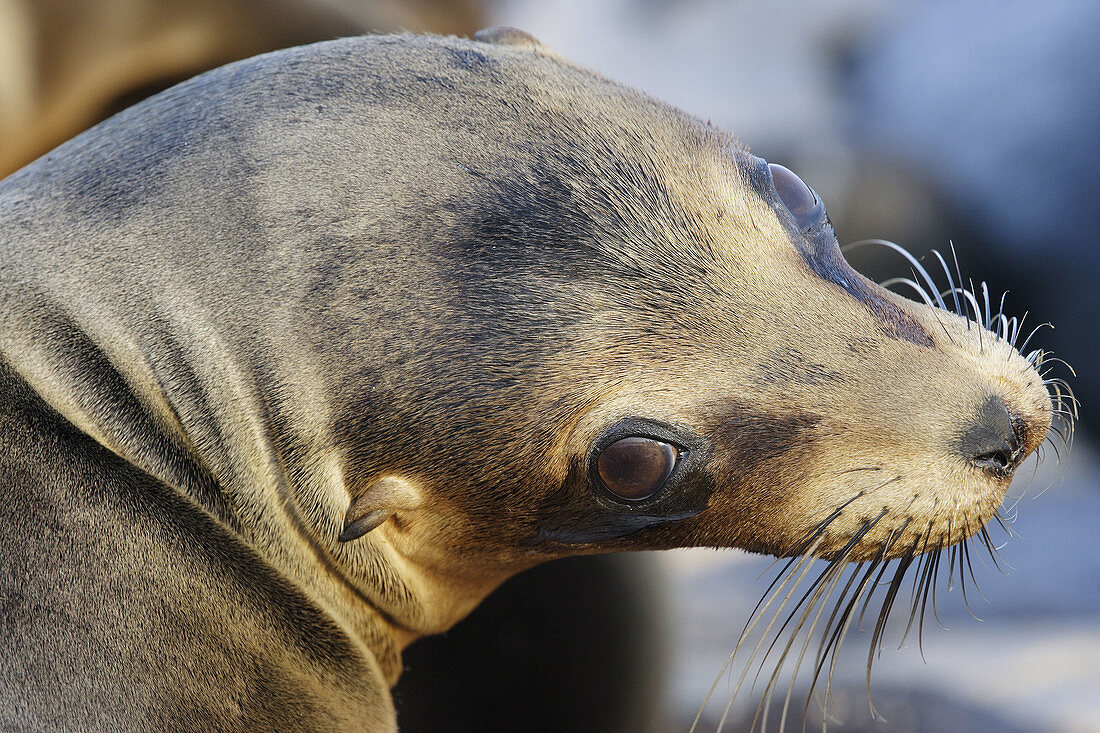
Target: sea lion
{"points": [[304, 356]]}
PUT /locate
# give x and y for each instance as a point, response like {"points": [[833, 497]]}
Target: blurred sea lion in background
{"points": [[67, 64]]}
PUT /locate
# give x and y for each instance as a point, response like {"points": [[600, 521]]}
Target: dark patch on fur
{"points": [[830, 265], [469, 59], [861, 345], [754, 437], [789, 364], [524, 218], [549, 219], [435, 81], [527, 238], [819, 249]]}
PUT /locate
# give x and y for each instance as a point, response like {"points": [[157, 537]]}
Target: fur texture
{"points": [[427, 277]]}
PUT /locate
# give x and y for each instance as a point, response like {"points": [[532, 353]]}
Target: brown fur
{"points": [[427, 277]]}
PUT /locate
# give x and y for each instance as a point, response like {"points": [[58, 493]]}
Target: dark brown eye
{"points": [[795, 195], [636, 468]]}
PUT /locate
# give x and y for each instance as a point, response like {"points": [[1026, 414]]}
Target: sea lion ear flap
{"points": [[382, 499]]}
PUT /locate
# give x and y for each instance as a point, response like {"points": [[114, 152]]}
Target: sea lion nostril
{"points": [[993, 441], [997, 460]]}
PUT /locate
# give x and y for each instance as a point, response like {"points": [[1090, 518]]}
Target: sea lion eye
{"points": [[799, 198], [635, 468]]}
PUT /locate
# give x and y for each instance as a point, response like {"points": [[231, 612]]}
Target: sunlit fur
{"points": [[806, 612], [420, 280]]}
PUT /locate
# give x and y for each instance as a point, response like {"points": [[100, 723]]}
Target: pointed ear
{"points": [[380, 500]]}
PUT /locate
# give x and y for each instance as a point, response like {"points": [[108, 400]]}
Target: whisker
{"points": [[1002, 522], [1063, 362], [964, 553], [928, 589], [807, 603], [820, 599], [950, 280], [1023, 346], [988, 311], [803, 615], [919, 586], [912, 284], [971, 305], [910, 258], [805, 561], [994, 555], [1017, 327], [958, 270], [846, 618], [803, 557], [829, 637]]}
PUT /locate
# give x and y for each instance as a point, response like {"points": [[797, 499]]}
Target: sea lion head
{"points": [[642, 336], [412, 314]]}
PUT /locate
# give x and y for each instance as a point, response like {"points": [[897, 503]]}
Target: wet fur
{"points": [[426, 277]]}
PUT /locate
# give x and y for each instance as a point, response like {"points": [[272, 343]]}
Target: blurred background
{"points": [[925, 123]]}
